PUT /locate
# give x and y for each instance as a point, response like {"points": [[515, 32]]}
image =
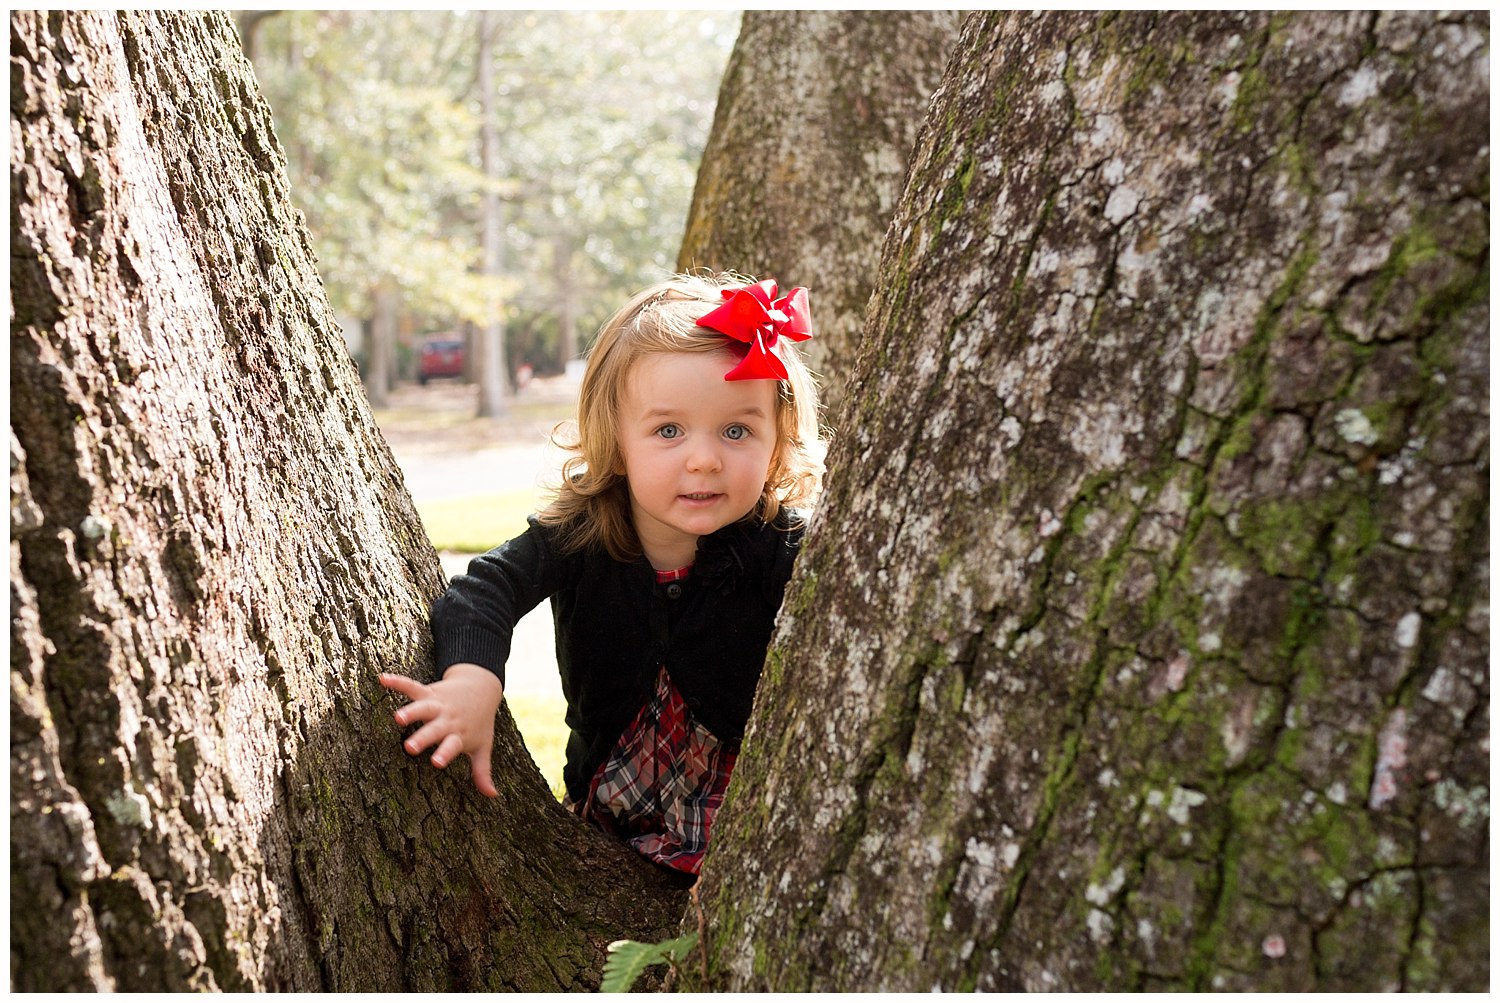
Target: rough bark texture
{"points": [[816, 118], [212, 554], [1141, 639]]}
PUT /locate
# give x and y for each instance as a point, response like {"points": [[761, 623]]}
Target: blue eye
{"points": [[736, 432], [669, 431]]}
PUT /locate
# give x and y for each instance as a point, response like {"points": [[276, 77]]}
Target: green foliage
{"points": [[629, 959], [602, 115], [379, 152]]}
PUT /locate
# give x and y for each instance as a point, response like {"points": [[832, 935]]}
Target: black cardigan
{"points": [[616, 625]]}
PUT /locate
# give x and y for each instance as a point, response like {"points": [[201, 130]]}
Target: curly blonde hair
{"points": [[592, 505]]}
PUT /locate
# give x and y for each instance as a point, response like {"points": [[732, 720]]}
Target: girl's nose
{"points": [[703, 457]]}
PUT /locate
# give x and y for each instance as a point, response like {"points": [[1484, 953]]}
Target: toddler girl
{"points": [[665, 555]]}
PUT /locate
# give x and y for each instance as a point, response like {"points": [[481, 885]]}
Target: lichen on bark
{"points": [[1148, 641]]}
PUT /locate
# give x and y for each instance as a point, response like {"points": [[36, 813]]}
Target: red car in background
{"points": [[441, 355]]}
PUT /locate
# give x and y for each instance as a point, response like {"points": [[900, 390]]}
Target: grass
{"points": [[474, 524], [540, 720]]}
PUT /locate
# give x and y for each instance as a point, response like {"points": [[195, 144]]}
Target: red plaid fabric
{"points": [[662, 783]]}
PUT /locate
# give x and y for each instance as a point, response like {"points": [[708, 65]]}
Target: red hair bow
{"points": [[754, 315]]}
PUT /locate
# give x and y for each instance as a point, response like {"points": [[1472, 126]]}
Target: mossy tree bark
{"points": [[817, 115], [212, 555], [1141, 638]]}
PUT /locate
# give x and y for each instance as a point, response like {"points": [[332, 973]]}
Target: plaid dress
{"points": [[663, 781]]}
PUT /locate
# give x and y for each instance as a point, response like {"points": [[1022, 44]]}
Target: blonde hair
{"points": [[592, 506]]}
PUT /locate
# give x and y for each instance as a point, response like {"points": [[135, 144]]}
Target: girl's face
{"points": [[697, 449]]}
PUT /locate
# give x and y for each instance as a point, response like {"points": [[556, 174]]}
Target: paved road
{"points": [[432, 474]]}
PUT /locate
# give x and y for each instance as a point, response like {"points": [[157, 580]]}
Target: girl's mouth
{"points": [[699, 496]]}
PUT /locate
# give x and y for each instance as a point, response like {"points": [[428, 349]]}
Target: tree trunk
{"points": [[492, 377], [1141, 638], [567, 298], [247, 23], [380, 362], [816, 117], [212, 555]]}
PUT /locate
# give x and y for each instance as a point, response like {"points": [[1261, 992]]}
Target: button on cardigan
{"points": [[616, 625]]}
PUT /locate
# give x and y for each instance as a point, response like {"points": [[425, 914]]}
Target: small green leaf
{"points": [[628, 959]]}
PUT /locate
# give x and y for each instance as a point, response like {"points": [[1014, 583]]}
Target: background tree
{"points": [[212, 555], [247, 23], [1140, 641], [384, 161], [606, 114], [491, 340], [601, 117], [816, 117]]}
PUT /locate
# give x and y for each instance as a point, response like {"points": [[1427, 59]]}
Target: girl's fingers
{"points": [[420, 710], [427, 735], [480, 761], [450, 747], [405, 685], [441, 726]]}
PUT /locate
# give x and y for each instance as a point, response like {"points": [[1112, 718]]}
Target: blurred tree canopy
{"points": [[603, 118]]}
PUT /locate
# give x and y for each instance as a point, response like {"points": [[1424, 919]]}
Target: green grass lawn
{"points": [[540, 720], [475, 524]]}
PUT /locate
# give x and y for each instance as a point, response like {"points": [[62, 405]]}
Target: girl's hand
{"points": [[458, 715]]}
